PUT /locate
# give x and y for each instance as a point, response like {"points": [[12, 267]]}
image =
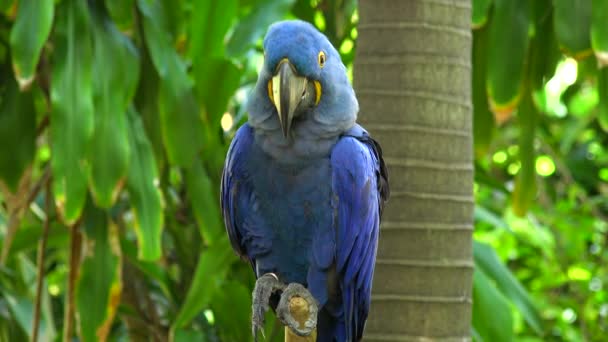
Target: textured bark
{"points": [[412, 77]]}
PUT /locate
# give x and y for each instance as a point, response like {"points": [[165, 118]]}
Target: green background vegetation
{"points": [[122, 111]]}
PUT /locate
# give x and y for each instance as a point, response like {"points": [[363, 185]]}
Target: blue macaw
{"points": [[303, 185]]}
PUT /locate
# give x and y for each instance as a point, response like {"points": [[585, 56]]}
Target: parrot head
{"points": [[302, 78]]}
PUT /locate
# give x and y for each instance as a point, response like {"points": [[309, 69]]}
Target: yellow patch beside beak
{"points": [[317, 92], [270, 96]]}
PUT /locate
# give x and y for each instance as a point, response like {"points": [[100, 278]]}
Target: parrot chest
{"points": [[293, 204]]}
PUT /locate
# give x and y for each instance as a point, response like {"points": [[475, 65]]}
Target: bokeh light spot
{"points": [[545, 166], [226, 122], [499, 157]]}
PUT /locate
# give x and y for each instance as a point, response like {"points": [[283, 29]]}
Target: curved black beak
{"points": [[287, 90]]}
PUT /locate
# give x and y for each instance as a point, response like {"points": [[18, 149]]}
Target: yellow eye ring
{"points": [[321, 59]]}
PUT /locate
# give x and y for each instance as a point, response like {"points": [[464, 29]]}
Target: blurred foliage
{"points": [[540, 110], [128, 106]]}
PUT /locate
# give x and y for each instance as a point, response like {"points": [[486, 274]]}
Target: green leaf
{"points": [[99, 284], [179, 112], [492, 319], [488, 262], [232, 311], [115, 76], [5, 4], [209, 73], [602, 88], [26, 238], [20, 302], [572, 22], [187, 335], [484, 125], [544, 50], [255, 24], [142, 184], [17, 129], [599, 31], [508, 45], [28, 35], [147, 106], [121, 12], [524, 193], [209, 23], [72, 121], [213, 264], [480, 13], [203, 197]]}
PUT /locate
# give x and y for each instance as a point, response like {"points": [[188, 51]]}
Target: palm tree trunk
{"points": [[413, 79]]}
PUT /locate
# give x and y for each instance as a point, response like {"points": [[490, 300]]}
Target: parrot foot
{"points": [[265, 286], [284, 312]]}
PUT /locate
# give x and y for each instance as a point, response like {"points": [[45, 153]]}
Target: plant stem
{"points": [[75, 241], [41, 251]]}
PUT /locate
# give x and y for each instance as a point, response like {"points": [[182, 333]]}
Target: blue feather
{"points": [[308, 207]]}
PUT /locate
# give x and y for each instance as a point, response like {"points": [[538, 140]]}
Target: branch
{"points": [[16, 212], [75, 245], [41, 251]]}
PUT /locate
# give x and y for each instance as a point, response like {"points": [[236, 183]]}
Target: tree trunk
{"points": [[413, 80]]}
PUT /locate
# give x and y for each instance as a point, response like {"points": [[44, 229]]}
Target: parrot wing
{"points": [[236, 193], [360, 181]]}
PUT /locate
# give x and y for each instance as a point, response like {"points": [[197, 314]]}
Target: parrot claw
{"points": [[265, 286], [284, 313]]}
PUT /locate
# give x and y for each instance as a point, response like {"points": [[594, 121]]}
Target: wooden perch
{"points": [[298, 307]]}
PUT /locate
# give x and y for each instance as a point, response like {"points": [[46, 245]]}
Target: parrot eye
{"points": [[321, 59]]}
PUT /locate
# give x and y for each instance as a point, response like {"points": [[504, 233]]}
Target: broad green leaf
{"points": [[253, 26], [524, 193], [203, 197], [142, 184], [484, 125], [492, 319], [480, 13], [17, 130], [544, 50], [209, 74], [188, 335], [99, 283], [27, 237], [28, 35], [146, 104], [181, 124], [232, 311], [5, 4], [508, 46], [599, 30], [572, 22], [304, 10], [179, 111], [72, 121], [602, 88], [209, 23], [115, 76], [121, 12], [487, 262], [213, 264]]}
